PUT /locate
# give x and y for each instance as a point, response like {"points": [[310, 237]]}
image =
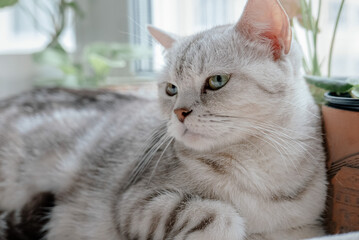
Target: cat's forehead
{"points": [[199, 54]]}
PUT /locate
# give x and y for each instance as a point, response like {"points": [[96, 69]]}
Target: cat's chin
{"points": [[191, 138], [196, 141]]}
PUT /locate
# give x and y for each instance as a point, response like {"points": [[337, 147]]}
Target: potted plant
{"points": [[339, 99], [341, 126]]}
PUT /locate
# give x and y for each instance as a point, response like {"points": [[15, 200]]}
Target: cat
{"points": [[231, 150]]}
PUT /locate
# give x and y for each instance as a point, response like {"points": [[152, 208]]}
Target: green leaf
{"points": [[7, 3], [69, 69], [338, 85], [58, 58], [52, 56], [118, 51], [99, 64], [105, 56], [355, 92], [353, 81]]}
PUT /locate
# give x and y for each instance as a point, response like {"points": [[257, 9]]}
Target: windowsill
{"points": [[142, 86]]}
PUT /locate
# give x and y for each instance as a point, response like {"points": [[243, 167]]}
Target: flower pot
{"points": [[341, 126], [342, 101]]}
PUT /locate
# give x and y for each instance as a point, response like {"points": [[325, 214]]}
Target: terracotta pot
{"points": [[342, 139]]}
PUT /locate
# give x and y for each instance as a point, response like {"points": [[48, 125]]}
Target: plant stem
{"points": [[315, 30], [60, 26], [305, 66], [318, 16], [304, 61], [333, 37], [305, 14]]}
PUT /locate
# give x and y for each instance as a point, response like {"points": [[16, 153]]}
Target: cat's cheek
{"points": [[166, 106]]}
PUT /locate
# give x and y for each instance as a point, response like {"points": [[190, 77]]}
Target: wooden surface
{"points": [[341, 129], [345, 205]]}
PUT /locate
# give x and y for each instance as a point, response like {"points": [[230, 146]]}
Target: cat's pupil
{"points": [[217, 81]]}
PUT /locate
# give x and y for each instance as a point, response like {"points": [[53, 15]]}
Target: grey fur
{"points": [[247, 163]]}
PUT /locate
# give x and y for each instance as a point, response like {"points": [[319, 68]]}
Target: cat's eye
{"points": [[218, 81], [171, 89]]}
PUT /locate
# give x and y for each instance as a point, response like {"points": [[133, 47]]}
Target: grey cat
{"points": [[231, 150]]}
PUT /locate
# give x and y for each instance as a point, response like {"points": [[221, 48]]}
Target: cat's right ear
{"points": [[266, 19], [165, 39]]}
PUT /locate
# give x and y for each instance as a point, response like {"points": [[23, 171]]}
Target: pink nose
{"points": [[182, 113]]}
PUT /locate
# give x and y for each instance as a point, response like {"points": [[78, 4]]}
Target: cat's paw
{"points": [[229, 229], [211, 220], [172, 215]]}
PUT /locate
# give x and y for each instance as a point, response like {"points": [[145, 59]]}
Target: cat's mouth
{"points": [[195, 139], [190, 133], [191, 136]]}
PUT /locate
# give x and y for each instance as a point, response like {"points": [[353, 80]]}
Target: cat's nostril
{"points": [[185, 114], [182, 113]]}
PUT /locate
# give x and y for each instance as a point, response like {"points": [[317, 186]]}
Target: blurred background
{"points": [[104, 43]]}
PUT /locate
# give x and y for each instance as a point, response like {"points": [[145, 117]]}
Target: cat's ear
{"points": [[165, 39], [266, 19]]}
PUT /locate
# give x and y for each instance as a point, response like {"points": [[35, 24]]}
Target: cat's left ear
{"points": [[266, 19], [165, 39]]}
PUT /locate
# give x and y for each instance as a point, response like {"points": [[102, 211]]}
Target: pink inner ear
{"points": [[276, 46], [267, 19]]}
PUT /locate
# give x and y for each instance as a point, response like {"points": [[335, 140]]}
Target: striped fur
{"points": [[246, 164]]}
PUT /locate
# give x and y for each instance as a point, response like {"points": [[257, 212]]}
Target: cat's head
{"points": [[218, 85]]}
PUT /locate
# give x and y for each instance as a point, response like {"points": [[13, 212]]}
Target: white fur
{"points": [[250, 154]]}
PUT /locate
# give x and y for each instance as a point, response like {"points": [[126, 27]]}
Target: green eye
{"points": [[218, 81], [171, 89]]}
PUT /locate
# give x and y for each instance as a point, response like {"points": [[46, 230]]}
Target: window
{"points": [[333, 12], [189, 16], [178, 16], [27, 27]]}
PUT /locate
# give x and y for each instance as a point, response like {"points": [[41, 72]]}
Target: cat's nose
{"points": [[182, 113]]}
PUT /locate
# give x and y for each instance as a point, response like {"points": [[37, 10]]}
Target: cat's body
{"points": [[241, 162], [69, 142]]}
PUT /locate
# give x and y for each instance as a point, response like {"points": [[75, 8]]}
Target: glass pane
{"points": [[28, 26], [185, 17]]}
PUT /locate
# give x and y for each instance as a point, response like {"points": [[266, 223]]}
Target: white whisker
{"points": [[159, 159]]}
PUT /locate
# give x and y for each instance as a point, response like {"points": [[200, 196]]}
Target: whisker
{"points": [[297, 105], [159, 159], [275, 148], [155, 142], [143, 30], [282, 143], [285, 140], [272, 125]]}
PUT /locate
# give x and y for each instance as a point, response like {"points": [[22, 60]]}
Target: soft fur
{"points": [[247, 163]]}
